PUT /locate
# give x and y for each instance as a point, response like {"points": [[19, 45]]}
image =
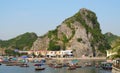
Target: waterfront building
{"points": [[116, 66], [61, 53], [49, 54]]}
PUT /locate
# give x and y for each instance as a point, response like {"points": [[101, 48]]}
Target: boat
{"points": [[71, 68], [66, 65], [24, 65], [10, 64], [39, 67], [106, 65], [78, 66], [57, 66], [88, 64], [51, 65]]}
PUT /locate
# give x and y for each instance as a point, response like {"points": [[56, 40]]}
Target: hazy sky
{"points": [[39, 16]]}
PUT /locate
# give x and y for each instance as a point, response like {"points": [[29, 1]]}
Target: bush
{"points": [[53, 46], [79, 39]]}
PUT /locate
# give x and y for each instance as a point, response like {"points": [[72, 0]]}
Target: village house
{"points": [[49, 54]]}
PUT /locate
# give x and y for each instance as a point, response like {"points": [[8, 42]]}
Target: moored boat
{"points": [[78, 66], [39, 68], [88, 64], [106, 65], [57, 66], [71, 68], [24, 65]]}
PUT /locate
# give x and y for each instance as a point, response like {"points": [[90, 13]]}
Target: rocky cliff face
{"points": [[81, 33]]}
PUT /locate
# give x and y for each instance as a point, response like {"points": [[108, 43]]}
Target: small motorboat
{"points": [[10, 64], [39, 68], [78, 66], [88, 64], [24, 65], [72, 67], [57, 66], [106, 66]]}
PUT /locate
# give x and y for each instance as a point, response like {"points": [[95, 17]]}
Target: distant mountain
{"points": [[21, 42], [110, 37], [81, 33]]}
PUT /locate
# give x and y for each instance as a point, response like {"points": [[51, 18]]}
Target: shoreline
{"points": [[86, 58]]}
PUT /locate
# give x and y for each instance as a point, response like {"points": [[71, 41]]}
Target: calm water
{"points": [[17, 69]]}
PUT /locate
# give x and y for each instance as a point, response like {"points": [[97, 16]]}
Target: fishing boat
{"points": [[11, 64], [71, 68], [57, 66], [38, 67], [78, 66], [106, 65], [24, 65], [88, 64]]}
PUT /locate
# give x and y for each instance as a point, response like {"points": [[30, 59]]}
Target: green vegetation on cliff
{"points": [[116, 48], [53, 46]]}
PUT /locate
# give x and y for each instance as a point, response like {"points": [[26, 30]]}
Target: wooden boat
{"points": [[51, 65], [71, 68], [57, 66], [66, 65], [24, 65], [78, 66], [39, 68], [88, 64], [10, 64], [106, 66]]}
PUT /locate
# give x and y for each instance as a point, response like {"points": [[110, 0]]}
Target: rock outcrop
{"points": [[81, 33]]}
